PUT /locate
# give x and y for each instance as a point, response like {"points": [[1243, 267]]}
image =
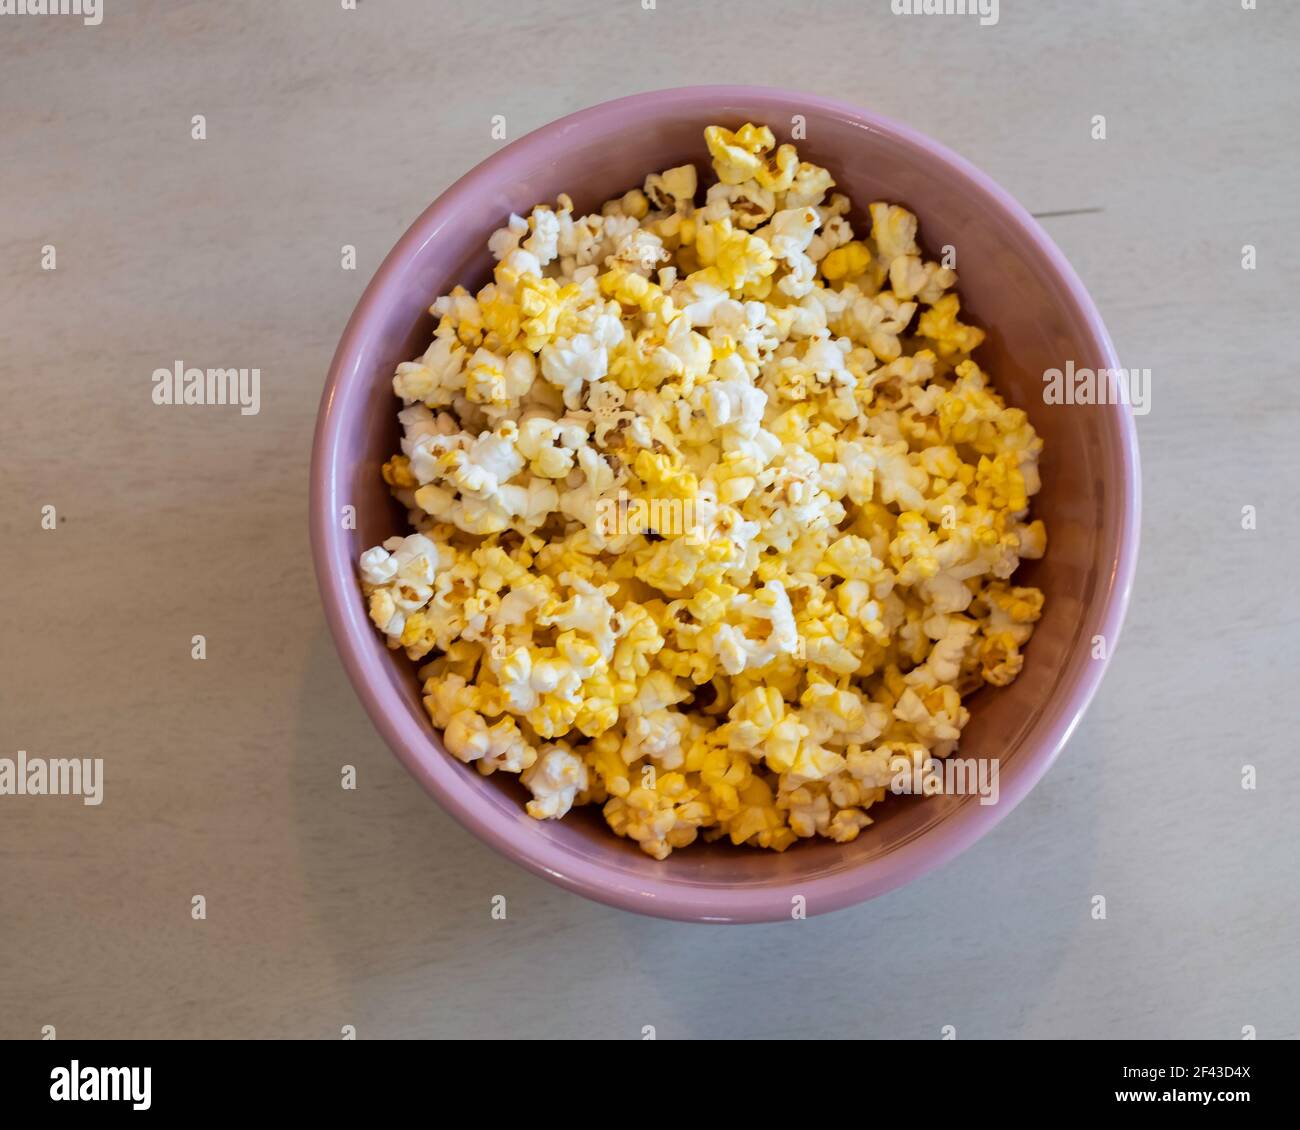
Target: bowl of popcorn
{"points": [[689, 515]]}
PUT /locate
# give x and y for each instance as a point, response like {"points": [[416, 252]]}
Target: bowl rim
{"points": [[352, 632]]}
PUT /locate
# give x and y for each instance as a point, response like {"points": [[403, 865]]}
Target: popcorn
{"points": [[673, 189], [554, 779], [568, 364], [715, 515], [500, 746], [746, 205], [739, 156]]}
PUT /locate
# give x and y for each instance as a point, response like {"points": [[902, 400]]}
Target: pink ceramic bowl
{"points": [[1014, 282]]}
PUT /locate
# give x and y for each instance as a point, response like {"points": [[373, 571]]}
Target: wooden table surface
{"points": [[371, 908]]}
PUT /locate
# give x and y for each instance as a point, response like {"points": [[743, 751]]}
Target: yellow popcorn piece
{"points": [[632, 289], [738, 157], [758, 821], [715, 515], [660, 819], [397, 473], [951, 338], [893, 230], [846, 262], [733, 259], [779, 174]]}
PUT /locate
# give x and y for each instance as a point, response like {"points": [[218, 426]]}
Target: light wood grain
{"points": [[371, 908]]}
